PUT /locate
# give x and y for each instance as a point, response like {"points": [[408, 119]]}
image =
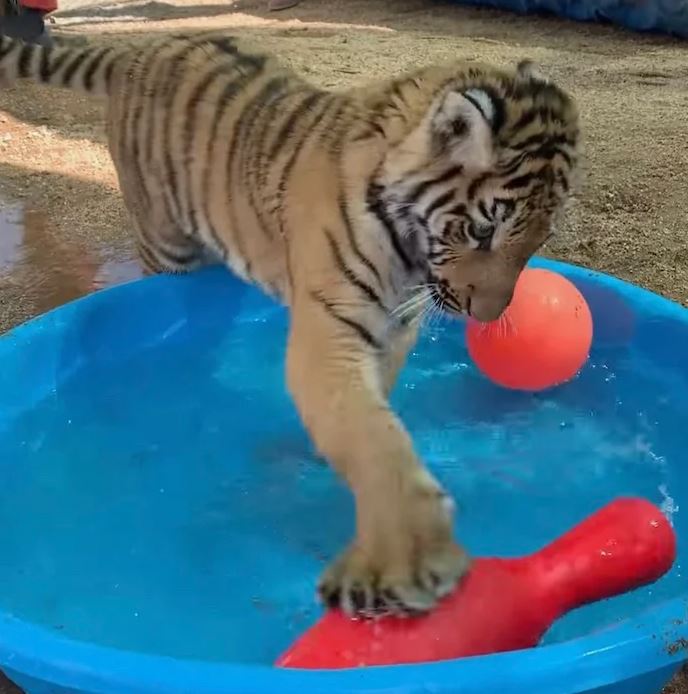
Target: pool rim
{"points": [[651, 641]]}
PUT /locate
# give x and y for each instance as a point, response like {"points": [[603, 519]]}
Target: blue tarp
{"points": [[669, 16]]}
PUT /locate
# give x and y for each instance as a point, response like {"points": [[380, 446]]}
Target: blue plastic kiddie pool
{"points": [[667, 16], [163, 519]]}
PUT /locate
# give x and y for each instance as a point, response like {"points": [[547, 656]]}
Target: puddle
{"points": [[11, 237], [41, 270]]}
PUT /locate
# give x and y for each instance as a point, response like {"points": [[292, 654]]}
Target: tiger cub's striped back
{"points": [[206, 136]]}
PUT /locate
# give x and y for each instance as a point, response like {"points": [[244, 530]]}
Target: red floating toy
{"points": [[542, 339], [505, 604]]}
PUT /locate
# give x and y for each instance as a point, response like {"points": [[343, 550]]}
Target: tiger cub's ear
{"points": [[463, 124], [528, 70]]}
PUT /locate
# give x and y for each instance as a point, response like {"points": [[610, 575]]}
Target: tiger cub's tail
{"points": [[83, 67]]}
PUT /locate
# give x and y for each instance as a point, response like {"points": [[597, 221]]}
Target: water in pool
{"points": [[170, 503]]}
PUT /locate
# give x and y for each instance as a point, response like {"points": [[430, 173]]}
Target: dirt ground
{"points": [[67, 230]]}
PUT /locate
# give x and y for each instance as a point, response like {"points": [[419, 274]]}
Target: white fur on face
{"points": [[465, 119]]}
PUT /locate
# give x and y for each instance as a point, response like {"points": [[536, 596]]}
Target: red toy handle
{"points": [[505, 604], [44, 6]]}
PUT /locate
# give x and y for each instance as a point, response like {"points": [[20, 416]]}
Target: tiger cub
{"points": [[357, 209]]}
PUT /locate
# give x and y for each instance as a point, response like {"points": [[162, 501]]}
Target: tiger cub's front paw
{"points": [[399, 567]]}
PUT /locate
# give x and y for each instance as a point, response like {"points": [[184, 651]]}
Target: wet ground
{"points": [[38, 272], [64, 232]]}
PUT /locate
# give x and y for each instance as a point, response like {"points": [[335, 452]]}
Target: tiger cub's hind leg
{"points": [[162, 245], [166, 250], [160, 258]]}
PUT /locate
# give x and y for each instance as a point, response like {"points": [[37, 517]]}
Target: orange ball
{"points": [[542, 339]]}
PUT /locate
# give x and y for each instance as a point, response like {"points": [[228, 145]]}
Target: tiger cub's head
{"points": [[480, 163]]}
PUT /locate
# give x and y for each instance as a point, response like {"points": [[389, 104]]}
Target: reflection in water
{"points": [[48, 270]]}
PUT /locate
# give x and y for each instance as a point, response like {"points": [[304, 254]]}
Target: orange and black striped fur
{"points": [[358, 209]]}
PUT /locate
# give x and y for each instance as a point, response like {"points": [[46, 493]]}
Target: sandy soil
{"points": [[68, 229]]}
